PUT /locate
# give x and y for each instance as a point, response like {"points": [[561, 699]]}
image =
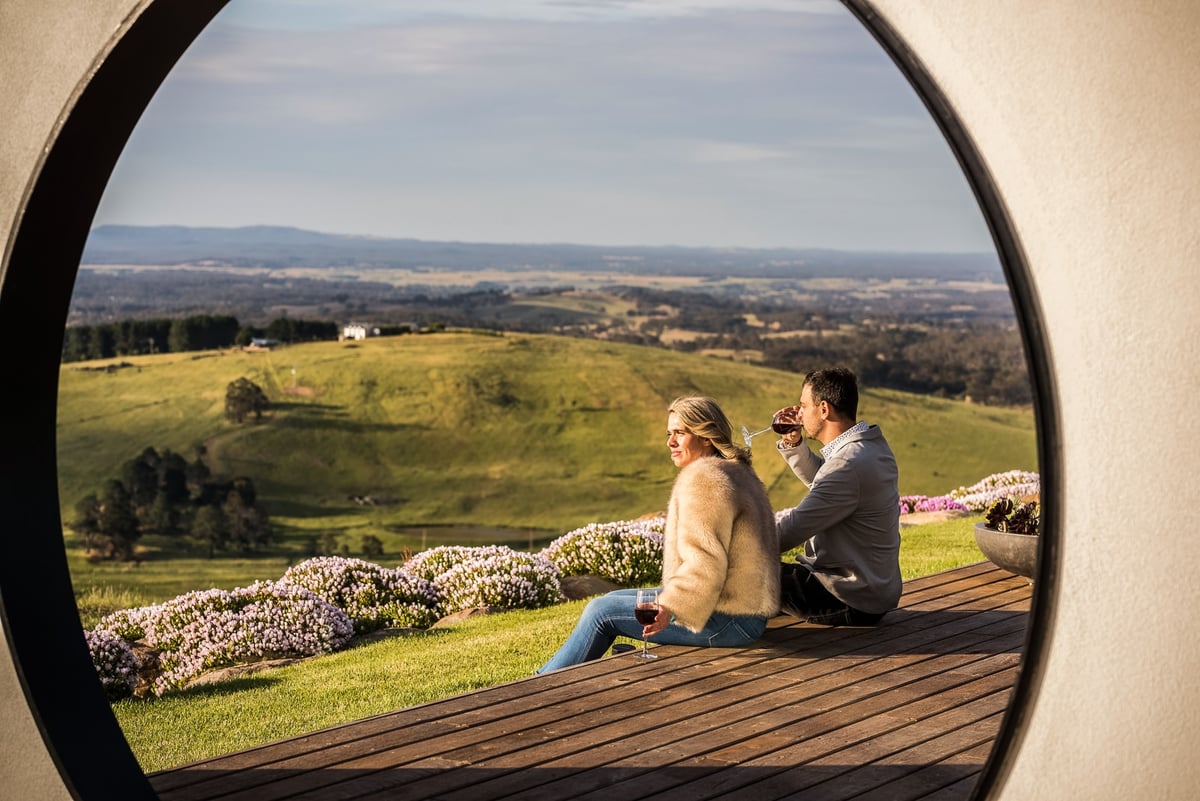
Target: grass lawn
{"points": [[402, 671]]}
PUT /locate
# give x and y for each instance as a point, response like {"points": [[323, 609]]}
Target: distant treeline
{"points": [[198, 332]]}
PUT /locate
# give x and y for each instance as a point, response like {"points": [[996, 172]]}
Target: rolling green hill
{"points": [[459, 429]]}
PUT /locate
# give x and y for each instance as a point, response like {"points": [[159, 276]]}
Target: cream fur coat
{"points": [[720, 546]]}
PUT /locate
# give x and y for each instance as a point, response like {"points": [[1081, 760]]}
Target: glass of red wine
{"points": [[646, 610], [786, 420]]}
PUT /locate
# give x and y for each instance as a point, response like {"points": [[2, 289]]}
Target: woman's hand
{"points": [[661, 621]]}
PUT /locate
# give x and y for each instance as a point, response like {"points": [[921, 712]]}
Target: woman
{"points": [[720, 578]]}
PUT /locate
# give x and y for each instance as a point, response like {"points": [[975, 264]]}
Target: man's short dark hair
{"points": [[838, 387]]}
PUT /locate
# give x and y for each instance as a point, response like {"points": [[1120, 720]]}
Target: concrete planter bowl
{"points": [[1016, 553]]}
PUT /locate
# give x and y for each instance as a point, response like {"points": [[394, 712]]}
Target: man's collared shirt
{"points": [[840, 440]]}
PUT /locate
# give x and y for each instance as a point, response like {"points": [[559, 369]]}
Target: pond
{"points": [[529, 539]]}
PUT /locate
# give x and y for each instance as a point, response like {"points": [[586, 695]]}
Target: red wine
{"points": [[786, 420], [645, 614]]}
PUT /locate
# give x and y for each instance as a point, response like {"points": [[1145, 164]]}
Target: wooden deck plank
{"points": [[840, 712], [512, 734]]}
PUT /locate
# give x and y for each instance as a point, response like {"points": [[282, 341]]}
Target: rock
{"points": [[238, 671], [579, 587]]}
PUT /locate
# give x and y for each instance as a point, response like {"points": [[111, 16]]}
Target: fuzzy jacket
{"points": [[720, 547]]}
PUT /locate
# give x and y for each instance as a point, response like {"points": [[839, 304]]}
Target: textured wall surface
{"points": [[1086, 118]]}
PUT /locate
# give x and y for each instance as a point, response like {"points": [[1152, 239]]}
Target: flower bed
{"points": [[979, 496], [374, 597], [318, 605], [627, 552], [493, 576], [202, 630], [923, 503]]}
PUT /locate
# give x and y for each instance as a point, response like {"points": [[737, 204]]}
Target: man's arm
{"points": [[802, 459], [829, 501]]}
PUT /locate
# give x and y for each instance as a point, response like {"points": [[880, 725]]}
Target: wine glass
{"points": [[646, 610], [747, 436], [786, 420]]}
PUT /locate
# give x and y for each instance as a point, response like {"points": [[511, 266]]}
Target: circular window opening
{"points": [[119, 95]]}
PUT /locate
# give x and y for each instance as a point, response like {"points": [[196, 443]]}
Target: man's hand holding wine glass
{"points": [[787, 424]]}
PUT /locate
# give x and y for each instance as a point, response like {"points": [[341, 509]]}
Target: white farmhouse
{"points": [[359, 331]]}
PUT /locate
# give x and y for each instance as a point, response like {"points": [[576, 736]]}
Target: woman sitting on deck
{"points": [[720, 580]]}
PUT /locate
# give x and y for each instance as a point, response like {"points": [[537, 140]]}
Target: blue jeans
{"points": [[607, 616]]}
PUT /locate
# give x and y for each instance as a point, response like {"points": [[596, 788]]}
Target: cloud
{"points": [[426, 118]]}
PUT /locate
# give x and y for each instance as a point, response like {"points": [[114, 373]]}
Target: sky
{"points": [[743, 123]]}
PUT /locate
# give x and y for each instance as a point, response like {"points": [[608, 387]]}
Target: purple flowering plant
{"points": [[202, 630], [626, 552], [923, 503], [492, 575], [1012, 483], [115, 663], [373, 596]]}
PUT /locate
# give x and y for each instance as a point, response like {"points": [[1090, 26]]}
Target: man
{"points": [[849, 522]]}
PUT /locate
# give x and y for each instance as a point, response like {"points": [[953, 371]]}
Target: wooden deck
{"points": [[907, 710]]}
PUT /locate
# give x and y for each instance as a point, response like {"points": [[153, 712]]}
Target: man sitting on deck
{"points": [[849, 522]]}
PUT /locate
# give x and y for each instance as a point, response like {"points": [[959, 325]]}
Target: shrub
{"points": [[202, 630], [626, 552], [500, 577], [978, 497], [374, 597], [431, 564], [923, 503], [115, 663]]}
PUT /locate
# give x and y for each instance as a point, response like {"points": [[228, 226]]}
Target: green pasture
{"points": [[449, 432]]}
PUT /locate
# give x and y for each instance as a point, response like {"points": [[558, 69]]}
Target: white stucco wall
{"points": [[1088, 117], [47, 48]]}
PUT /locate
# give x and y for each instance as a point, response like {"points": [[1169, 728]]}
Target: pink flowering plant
{"points": [[432, 563], [1013, 483], [115, 663], [203, 630], [511, 581], [374, 597], [625, 552], [923, 503], [494, 576]]}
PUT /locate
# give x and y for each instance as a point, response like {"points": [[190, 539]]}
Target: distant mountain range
{"points": [[278, 247]]}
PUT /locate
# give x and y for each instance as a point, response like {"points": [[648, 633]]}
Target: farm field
{"points": [[464, 437]]}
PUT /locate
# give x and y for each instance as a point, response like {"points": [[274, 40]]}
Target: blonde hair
{"points": [[704, 418]]}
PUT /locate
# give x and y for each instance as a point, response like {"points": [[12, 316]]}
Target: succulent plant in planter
{"points": [[1008, 535], [1014, 515]]}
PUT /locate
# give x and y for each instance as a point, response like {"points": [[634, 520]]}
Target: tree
{"points": [[87, 520], [372, 546], [327, 545], [247, 525], [116, 522], [197, 472], [209, 526], [162, 515], [173, 477], [242, 398], [140, 476]]}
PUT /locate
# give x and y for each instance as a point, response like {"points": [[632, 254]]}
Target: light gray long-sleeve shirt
{"points": [[849, 522]]}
